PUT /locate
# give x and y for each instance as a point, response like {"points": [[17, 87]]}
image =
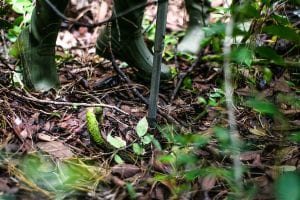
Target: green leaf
{"points": [[156, 144], [131, 191], [118, 159], [116, 141], [184, 159], [192, 174], [169, 159], [223, 135], [267, 74], [215, 29], [201, 100], [246, 11], [283, 32], [142, 127], [147, 139], [188, 83], [138, 149], [295, 137], [263, 107], [287, 187], [242, 55], [269, 53]]}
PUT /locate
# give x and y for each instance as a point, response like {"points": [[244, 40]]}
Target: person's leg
{"points": [[36, 46], [197, 11], [127, 41]]}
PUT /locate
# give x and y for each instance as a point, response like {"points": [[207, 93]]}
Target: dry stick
{"points": [[183, 75], [63, 103], [106, 20]]}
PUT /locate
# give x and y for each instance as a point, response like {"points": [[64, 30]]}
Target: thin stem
{"points": [[234, 135]]}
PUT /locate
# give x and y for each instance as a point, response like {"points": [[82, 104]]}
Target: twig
{"points": [[34, 99], [183, 75], [126, 79]]}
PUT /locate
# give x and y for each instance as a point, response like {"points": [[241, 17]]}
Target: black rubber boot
{"points": [[197, 11], [127, 42], [36, 47]]}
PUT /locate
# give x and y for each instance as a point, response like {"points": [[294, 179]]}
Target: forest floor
{"points": [[47, 153]]}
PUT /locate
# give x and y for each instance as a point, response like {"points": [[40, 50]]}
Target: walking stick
{"points": [[160, 32]]}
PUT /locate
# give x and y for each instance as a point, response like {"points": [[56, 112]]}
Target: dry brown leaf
{"points": [[258, 131], [46, 138], [249, 155], [56, 149], [208, 182], [125, 170], [117, 181]]}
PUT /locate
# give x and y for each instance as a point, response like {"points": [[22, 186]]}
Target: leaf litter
{"points": [[45, 147]]}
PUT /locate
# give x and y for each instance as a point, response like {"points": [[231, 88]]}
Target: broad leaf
{"points": [[242, 55], [116, 141], [147, 139], [142, 127], [138, 149], [263, 107], [269, 53], [283, 32], [118, 159], [287, 187]]}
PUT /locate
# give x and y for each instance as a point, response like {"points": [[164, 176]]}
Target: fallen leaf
{"points": [[249, 155], [56, 149], [125, 170], [258, 131], [208, 182], [46, 138]]}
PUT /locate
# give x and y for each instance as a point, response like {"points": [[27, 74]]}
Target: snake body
{"points": [[94, 118]]}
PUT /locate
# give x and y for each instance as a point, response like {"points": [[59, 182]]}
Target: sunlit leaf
{"points": [[147, 139], [167, 159], [267, 74], [118, 159], [142, 127], [116, 141], [138, 149]]}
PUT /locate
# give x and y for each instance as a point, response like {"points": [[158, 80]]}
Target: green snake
{"points": [[94, 118]]}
